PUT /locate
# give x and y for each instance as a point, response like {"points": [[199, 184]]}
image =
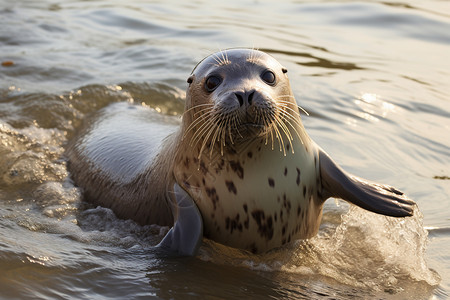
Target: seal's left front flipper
{"points": [[378, 198], [185, 237]]}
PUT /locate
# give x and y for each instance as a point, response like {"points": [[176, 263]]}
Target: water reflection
{"points": [[373, 75], [373, 107]]}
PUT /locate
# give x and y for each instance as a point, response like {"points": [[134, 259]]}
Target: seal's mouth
{"points": [[250, 130], [223, 129], [253, 125]]}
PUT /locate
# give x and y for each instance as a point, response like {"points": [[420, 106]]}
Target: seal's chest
{"points": [[255, 200]]}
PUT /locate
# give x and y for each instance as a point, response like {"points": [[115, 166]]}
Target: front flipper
{"points": [[378, 198], [185, 237]]}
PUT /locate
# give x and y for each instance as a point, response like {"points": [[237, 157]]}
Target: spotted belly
{"points": [[259, 200]]}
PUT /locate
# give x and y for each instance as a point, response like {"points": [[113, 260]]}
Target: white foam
{"points": [[364, 250]]}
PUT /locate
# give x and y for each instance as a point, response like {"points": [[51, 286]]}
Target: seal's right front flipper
{"points": [[378, 198], [185, 237]]}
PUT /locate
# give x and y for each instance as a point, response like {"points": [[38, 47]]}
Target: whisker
{"points": [[286, 130], [214, 137], [203, 110], [237, 122], [223, 134], [288, 102], [203, 129], [209, 131], [266, 121], [196, 122], [229, 132], [286, 116], [217, 59], [198, 105], [226, 58], [294, 115], [280, 138]]}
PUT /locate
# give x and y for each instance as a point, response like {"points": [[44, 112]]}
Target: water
{"points": [[373, 75]]}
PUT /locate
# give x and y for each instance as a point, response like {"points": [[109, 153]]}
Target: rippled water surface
{"points": [[373, 75]]}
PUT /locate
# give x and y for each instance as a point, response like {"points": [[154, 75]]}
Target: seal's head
{"points": [[238, 93]]}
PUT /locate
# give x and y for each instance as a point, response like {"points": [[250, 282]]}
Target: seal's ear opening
{"points": [[284, 70], [190, 79]]}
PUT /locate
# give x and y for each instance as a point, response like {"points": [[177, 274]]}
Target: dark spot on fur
{"points": [[233, 224], [212, 194], [304, 191], [203, 181], [285, 171], [315, 160], [275, 217], [271, 182], [220, 165], [259, 217], [265, 226], [245, 208], [253, 248], [298, 177], [269, 222], [283, 230], [286, 204], [288, 147], [203, 168], [299, 210], [231, 187], [250, 154], [237, 168]]}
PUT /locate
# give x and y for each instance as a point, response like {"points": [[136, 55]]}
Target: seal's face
{"points": [[239, 111], [238, 93]]}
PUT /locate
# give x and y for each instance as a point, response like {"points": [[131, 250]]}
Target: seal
{"points": [[240, 169]]}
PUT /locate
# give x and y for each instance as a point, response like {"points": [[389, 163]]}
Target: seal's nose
{"points": [[245, 97]]}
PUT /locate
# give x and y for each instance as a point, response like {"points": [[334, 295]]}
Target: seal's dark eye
{"points": [[212, 83], [268, 77]]}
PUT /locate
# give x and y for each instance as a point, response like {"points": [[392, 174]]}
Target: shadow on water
{"points": [[192, 278], [317, 61]]}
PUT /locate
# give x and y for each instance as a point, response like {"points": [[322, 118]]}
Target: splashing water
{"points": [[363, 250]]}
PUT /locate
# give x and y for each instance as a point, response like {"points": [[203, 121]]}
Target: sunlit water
{"points": [[373, 76]]}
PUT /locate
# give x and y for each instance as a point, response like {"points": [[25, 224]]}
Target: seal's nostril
{"points": [[250, 98], [241, 100]]}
